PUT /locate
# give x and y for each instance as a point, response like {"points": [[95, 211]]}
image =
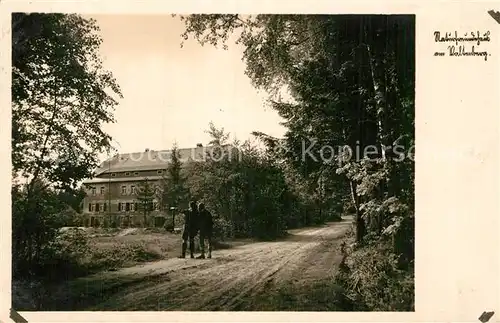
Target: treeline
{"points": [[351, 79]]}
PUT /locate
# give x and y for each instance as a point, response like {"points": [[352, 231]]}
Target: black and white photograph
{"points": [[213, 162]]}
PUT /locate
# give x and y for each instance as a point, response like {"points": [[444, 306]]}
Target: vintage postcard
{"points": [[250, 161]]}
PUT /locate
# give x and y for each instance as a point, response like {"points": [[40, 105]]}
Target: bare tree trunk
{"points": [[380, 99], [173, 220], [360, 223]]}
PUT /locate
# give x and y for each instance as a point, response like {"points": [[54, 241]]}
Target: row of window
{"points": [[122, 207], [102, 190], [159, 172], [124, 190], [133, 190], [97, 207]]}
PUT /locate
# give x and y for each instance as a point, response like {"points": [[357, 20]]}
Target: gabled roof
{"points": [[150, 160], [101, 180]]}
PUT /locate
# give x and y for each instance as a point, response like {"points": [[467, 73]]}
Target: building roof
{"points": [[101, 180], [151, 160]]}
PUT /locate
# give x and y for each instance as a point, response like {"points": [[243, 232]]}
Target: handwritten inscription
{"points": [[460, 45]]}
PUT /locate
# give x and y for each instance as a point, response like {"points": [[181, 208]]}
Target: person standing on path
{"points": [[191, 227], [206, 230]]}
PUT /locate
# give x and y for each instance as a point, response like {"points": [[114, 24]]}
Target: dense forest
{"points": [[347, 82], [344, 86]]}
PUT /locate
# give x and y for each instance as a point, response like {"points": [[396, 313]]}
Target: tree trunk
{"points": [[360, 223], [380, 100], [173, 220]]}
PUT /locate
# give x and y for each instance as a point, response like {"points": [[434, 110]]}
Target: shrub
{"points": [[119, 255], [73, 241], [373, 280], [223, 229], [39, 250], [179, 222], [60, 259]]}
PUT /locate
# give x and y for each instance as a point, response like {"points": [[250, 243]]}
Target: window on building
{"points": [[136, 173], [93, 190], [136, 206], [160, 171], [127, 174], [104, 207], [120, 207], [132, 208], [90, 207], [127, 207], [124, 190], [132, 189], [113, 175], [97, 207], [102, 190]]}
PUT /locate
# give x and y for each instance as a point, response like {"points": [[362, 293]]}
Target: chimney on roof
{"points": [[147, 149], [199, 145]]}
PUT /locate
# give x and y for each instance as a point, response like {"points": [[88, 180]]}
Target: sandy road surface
{"points": [[235, 279]]}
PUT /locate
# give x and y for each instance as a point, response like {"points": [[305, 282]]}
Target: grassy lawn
{"points": [[112, 250]]}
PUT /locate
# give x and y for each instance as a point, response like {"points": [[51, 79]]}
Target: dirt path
{"points": [[243, 278]]}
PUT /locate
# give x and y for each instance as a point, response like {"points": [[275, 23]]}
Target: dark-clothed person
{"points": [[206, 230], [190, 229]]}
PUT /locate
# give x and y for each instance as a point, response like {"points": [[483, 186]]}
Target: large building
{"points": [[112, 195]]}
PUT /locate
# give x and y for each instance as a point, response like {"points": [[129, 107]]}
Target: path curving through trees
{"points": [[235, 279]]}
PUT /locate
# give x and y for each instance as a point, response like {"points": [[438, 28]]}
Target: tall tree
{"points": [[218, 136], [174, 191], [248, 194], [61, 97]]}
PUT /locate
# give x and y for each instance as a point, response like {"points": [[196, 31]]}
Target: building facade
{"points": [[112, 194]]}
